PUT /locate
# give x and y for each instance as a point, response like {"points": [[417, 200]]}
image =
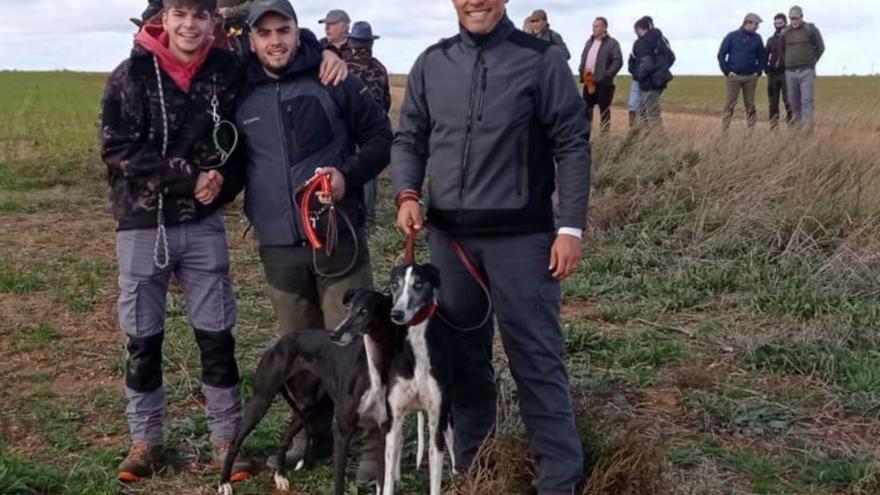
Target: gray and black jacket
{"points": [[485, 118], [294, 125]]}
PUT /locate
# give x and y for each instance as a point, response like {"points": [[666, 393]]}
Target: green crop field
{"points": [[722, 337]]}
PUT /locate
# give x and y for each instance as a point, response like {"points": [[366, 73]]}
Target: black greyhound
{"points": [[350, 370]]}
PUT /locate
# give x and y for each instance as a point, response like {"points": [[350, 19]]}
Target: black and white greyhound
{"points": [[420, 372], [350, 371]]}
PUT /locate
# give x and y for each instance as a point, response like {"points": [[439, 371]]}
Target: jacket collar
{"points": [[497, 35]]}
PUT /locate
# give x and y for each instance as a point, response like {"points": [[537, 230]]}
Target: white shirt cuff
{"points": [[579, 233]]}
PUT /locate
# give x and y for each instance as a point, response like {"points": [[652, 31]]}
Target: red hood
{"points": [[154, 39]]}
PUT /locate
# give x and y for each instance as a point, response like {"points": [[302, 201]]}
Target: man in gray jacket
{"points": [[600, 63], [488, 115]]}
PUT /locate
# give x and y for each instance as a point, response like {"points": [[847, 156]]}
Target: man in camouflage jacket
{"points": [[361, 62]]}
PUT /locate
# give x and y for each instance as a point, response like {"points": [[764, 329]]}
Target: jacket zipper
{"points": [[466, 153], [482, 94], [293, 208]]}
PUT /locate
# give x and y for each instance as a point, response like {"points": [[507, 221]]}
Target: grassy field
{"points": [[722, 337]]}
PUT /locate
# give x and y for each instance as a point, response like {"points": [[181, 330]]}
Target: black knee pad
{"points": [[219, 368], [143, 368]]}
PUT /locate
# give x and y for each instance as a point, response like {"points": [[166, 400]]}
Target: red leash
{"points": [[320, 187], [409, 257]]}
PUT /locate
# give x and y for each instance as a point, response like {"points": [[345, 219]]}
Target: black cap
{"points": [[262, 7]]}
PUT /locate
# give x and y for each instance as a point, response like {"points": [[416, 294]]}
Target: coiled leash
{"points": [[225, 153], [315, 202], [219, 126], [409, 257]]}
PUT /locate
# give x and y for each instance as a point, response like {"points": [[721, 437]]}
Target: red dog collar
{"points": [[423, 315]]}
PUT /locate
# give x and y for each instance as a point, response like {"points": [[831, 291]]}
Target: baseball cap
{"points": [[796, 11], [335, 15], [539, 14], [752, 17], [362, 30], [262, 7]]}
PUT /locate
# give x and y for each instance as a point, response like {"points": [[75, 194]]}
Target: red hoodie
{"points": [[154, 39]]}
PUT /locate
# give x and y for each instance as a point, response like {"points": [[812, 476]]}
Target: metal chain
{"points": [[161, 233], [219, 123]]}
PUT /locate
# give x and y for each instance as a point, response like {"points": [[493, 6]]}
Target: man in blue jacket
{"points": [[742, 58]]}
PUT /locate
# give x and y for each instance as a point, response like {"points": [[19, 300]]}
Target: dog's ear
{"points": [[433, 275], [349, 295]]}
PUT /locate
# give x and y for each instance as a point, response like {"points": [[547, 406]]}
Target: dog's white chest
{"points": [[421, 391], [372, 403]]}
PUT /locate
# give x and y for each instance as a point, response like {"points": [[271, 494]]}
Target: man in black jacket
{"points": [[600, 63], [776, 72], [650, 65], [292, 125], [488, 116]]}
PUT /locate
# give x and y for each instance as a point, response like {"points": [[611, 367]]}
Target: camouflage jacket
{"points": [[361, 63], [131, 137]]}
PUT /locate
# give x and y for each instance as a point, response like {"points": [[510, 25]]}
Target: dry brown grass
{"points": [[635, 467]]}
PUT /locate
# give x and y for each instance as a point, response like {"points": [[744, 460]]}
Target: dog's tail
{"points": [[420, 453]]}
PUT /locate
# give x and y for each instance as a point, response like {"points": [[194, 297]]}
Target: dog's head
{"points": [[366, 311], [413, 287]]}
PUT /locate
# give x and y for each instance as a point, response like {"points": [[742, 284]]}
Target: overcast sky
{"points": [[96, 35]]}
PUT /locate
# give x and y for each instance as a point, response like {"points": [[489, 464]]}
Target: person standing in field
{"points": [[742, 58], [538, 26], [600, 63], [775, 70], [364, 65], [803, 46], [291, 124], [650, 65], [336, 25], [165, 174], [491, 123]]}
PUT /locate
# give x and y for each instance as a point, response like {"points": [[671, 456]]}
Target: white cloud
{"points": [[96, 34]]}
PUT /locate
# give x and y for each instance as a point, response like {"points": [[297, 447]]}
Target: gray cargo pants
{"points": [[527, 307], [199, 260], [801, 84]]}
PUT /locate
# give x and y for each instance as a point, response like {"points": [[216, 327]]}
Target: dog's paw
{"points": [[299, 465], [225, 489], [281, 483]]}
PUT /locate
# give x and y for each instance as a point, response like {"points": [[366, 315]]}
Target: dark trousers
{"points": [[527, 306], [603, 97], [775, 87]]}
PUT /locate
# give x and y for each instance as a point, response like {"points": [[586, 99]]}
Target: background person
{"points": [[650, 65], [539, 27], [364, 65], [775, 71], [803, 46], [742, 58], [600, 63], [336, 25]]}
